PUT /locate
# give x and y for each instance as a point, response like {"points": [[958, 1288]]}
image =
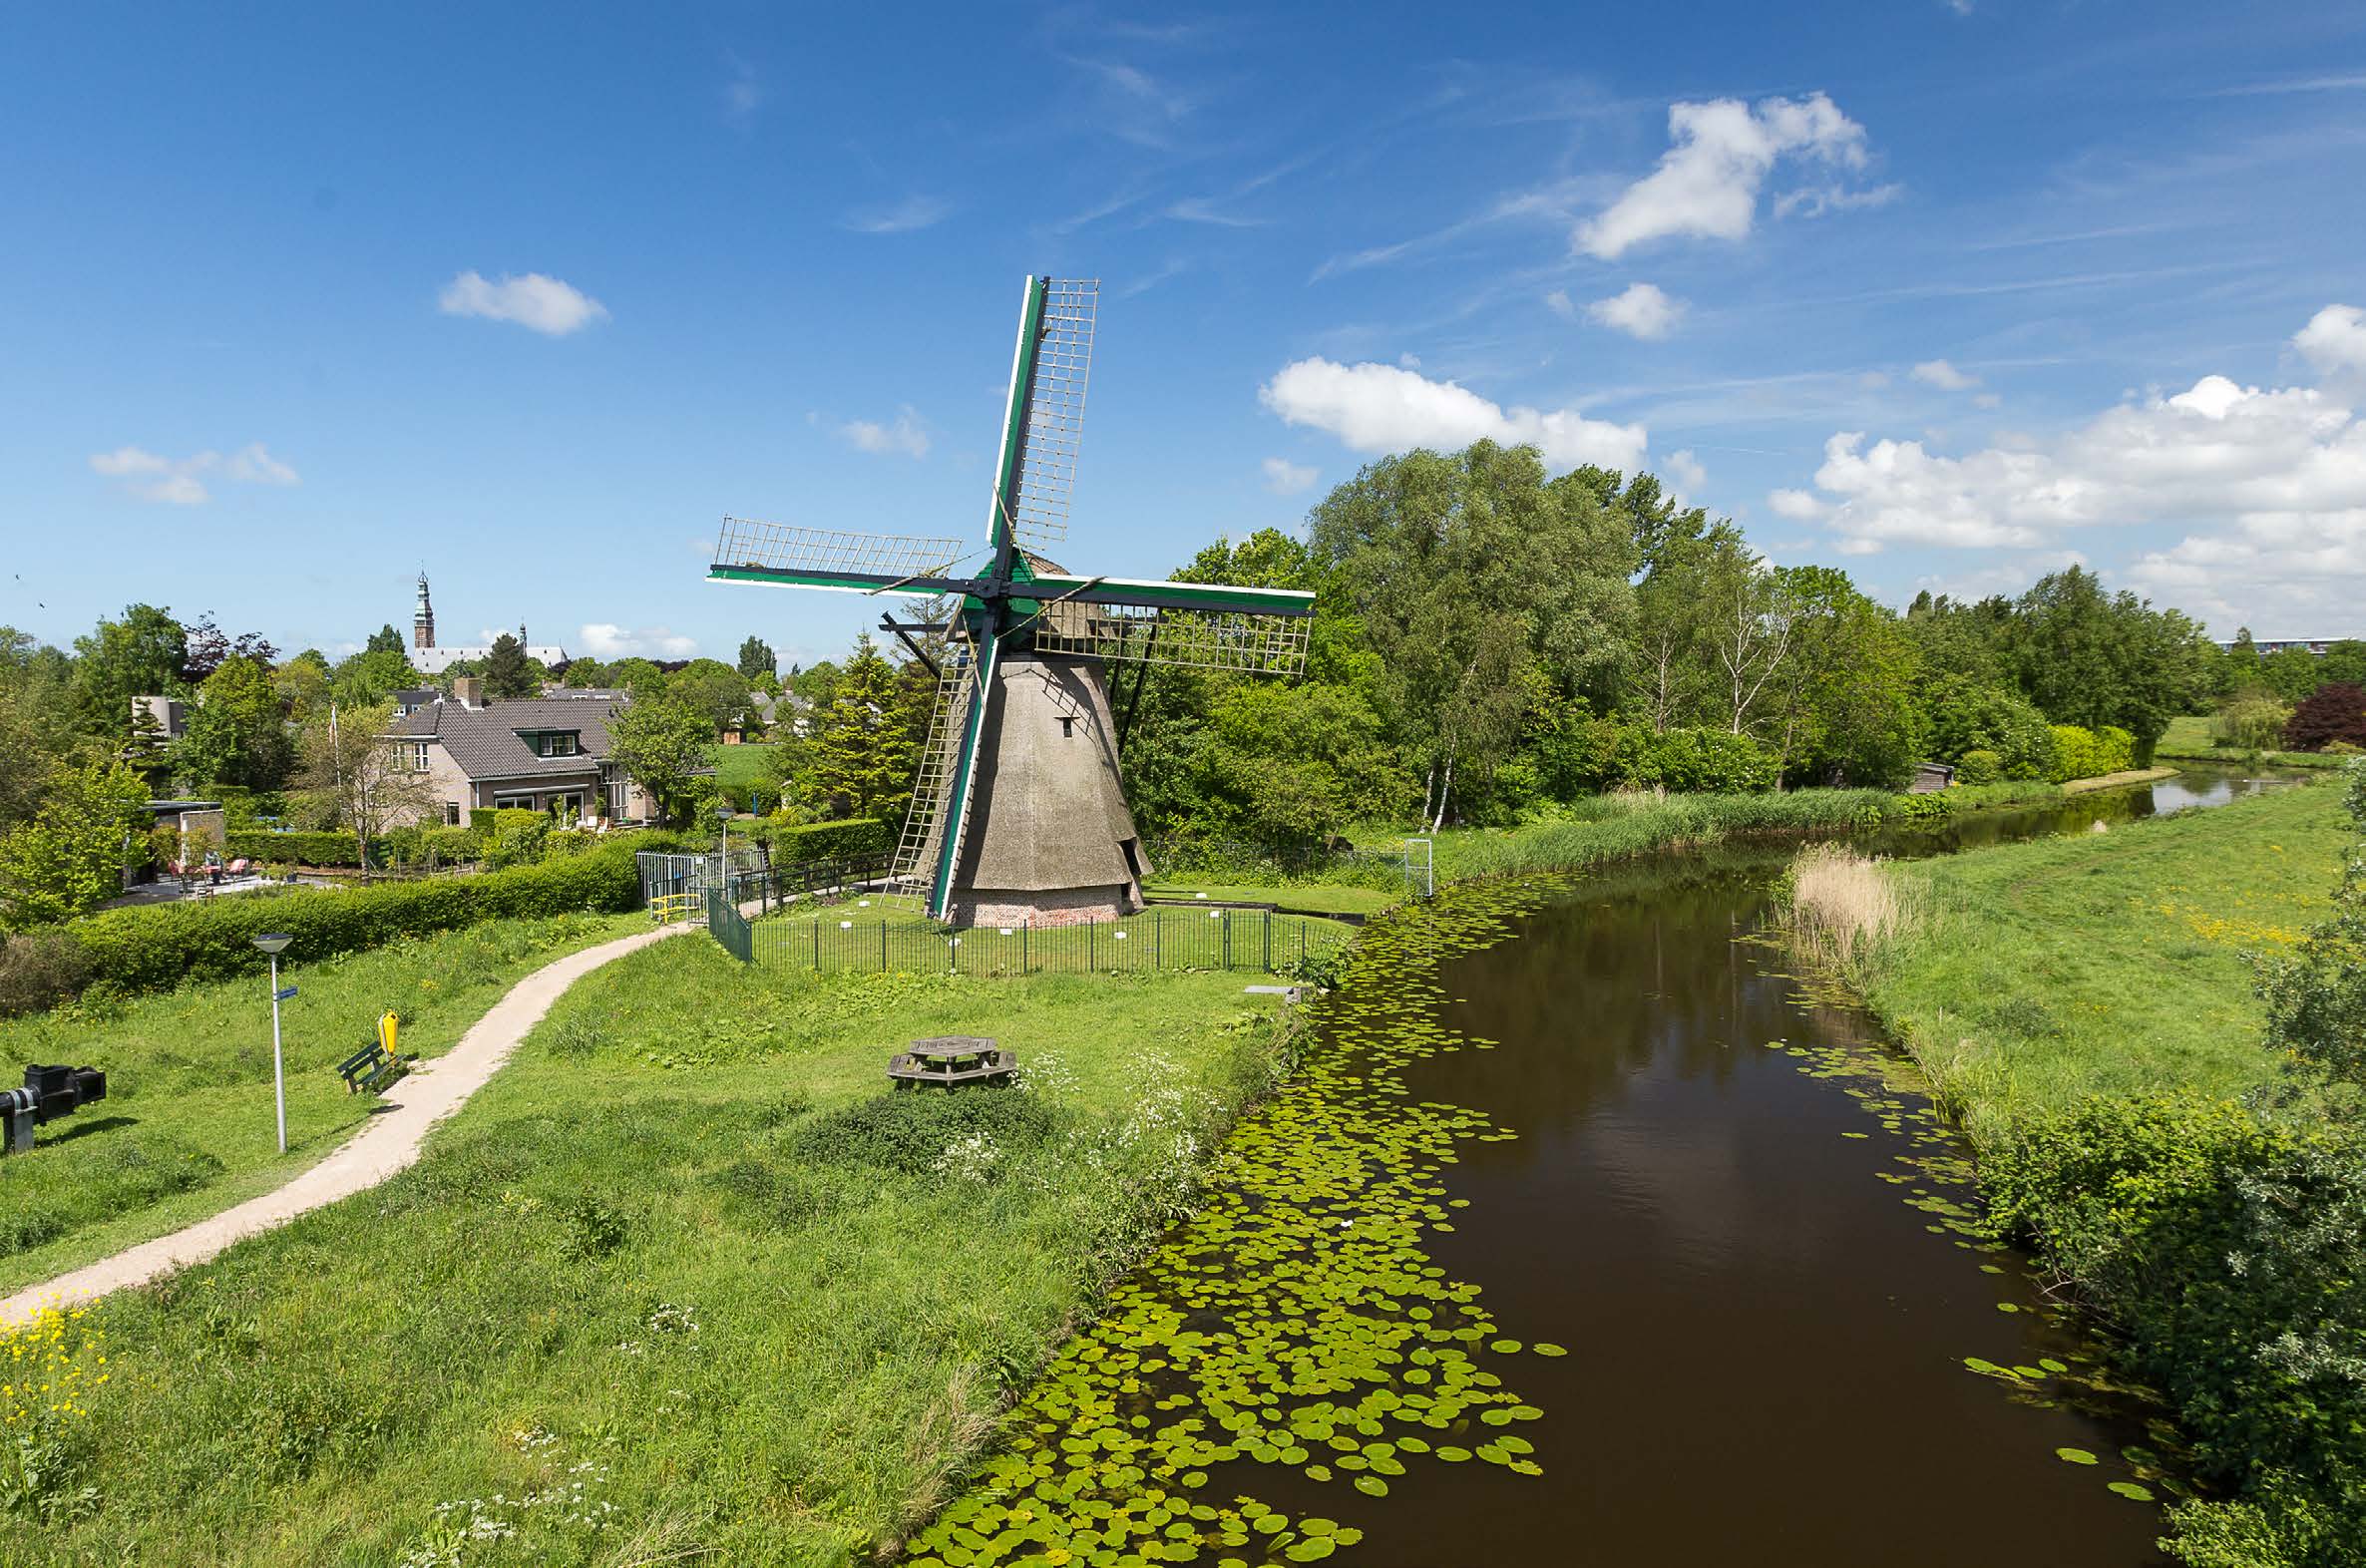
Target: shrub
{"points": [[304, 848], [156, 946], [2251, 721], [2077, 754], [2331, 713], [1694, 762], [39, 970], [1979, 767], [910, 1133], [843, 840], [1964, 716]]}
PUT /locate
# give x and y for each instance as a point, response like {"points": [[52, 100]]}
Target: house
{"points": [[540, 753]]}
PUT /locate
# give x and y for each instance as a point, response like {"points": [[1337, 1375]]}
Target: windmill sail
{"points": [[1246, 643], [1053, 426]]}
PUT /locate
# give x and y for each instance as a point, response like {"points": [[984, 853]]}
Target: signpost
{"points": [[273, 943]]}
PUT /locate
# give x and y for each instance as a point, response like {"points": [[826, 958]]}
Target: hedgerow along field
{"points": [[683, 1275], [187, 1129]]}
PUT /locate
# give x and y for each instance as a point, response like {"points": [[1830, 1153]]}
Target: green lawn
{"points": [[1312, 897], [737, 767], [186, 1127], [2106, 963], [2188, 737], [683, 1284]]}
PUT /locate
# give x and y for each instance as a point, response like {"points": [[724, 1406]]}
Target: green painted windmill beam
{"points": [[844, 581]]}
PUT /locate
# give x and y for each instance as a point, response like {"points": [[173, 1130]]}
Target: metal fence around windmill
{"points": [[1257, 941]]}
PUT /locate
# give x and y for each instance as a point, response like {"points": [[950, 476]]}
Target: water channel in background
{"points": [[1767, 1340]]}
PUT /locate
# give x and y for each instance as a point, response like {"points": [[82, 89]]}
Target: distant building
{"points": [[171, 719], [432, 659], [2267, 645], [542, 754]]}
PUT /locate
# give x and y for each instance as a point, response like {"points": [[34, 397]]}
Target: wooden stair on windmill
{"points": [[918, 849]]}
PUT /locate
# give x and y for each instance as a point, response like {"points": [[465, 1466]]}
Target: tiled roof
{"points": [[483, 741]]}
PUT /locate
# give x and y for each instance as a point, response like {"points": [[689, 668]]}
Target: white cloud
{"points": [[1408, 361], [177, 482], [1639, 311], [1686, 470], [906, 217], [1986, 400], [1559, 305], [535, 301], [907, 435], [1380, 408], [1708, 181], [605, 639], [2271, 484], [2334, 339], [1285, 478], [1939, 373], [1796, 504]]}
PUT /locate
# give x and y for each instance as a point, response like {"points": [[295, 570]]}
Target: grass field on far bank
{"points": [[2106, 964], [2188, 738], [684, 1282], [187, 1129]]}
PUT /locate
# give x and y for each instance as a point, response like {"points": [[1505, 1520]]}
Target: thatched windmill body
{"points": [[1018, 813]]}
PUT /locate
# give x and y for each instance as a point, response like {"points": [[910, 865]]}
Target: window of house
{"points": [[551, 742], [451, 814], [415, 754]]}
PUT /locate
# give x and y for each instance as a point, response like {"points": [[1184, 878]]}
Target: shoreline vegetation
{"points": [[2102, 1015]]}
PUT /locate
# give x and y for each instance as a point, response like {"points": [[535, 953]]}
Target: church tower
{"points": [[423, 618]]}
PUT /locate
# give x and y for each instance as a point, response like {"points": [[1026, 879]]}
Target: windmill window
{"points": [[1067, 724]]}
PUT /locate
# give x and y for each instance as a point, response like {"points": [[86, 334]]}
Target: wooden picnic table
{"points": [[947, 1060]]}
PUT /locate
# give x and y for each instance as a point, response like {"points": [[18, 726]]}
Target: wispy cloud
{"points": [[605, 639], [1285, 478], [1721, 154], [2354, 82], [1150, 280], [909, 216], [1198, 209], [181, 481], [905, 436], [537, 302], [1939, 373], [743, 93]]}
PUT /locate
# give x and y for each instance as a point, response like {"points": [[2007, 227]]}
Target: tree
{"points": [[2334, 714], [1747, 614], [234, 731], [209, 646], [2090, 659], [1463, 571], [660, 744], [585, 672], [2343, 662], [386, 641], [507, 671], [862, 751], [756, 657], [368, 679], [717, 691], [352, 776], [2292, 674], [70, 857], [139, 656], [1845, 710], [303, 686]]}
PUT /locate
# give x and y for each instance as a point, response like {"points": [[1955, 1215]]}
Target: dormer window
{"points": [[552, 742]]}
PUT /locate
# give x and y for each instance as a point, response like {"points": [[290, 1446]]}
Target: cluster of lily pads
{"points": [[1297, 1319]]}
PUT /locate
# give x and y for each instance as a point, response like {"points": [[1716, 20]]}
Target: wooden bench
{"points": [[370, 1069], [949, 1060]]}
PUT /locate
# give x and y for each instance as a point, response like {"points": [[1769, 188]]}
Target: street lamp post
{"points": [[273, 943]]}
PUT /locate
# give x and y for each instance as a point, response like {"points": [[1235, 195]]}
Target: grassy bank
{"points": [[2087, 1004], [187, 1129], [682, 1284], [2106, 964]]}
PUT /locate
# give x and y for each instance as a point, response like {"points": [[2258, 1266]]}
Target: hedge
{"points": [[156, 946], [856, 836], [304, 848], [2088, 754]]}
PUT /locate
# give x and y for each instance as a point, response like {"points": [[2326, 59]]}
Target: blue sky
{"points": [[296, 301]]}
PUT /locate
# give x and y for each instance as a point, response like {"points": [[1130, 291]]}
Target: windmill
{"points": [[1017, 812]]}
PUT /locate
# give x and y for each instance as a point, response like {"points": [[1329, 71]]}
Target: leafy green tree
{"points": [[507, 671], [303, 686], [1961, 715], [2343, 662], [860, 755], [1845, 710], [660, 744], [585, 673], [1653, 520], [70, 857], [1464, 570], [642, 679], [2292, 674], [713, 689], [1275, 766], [756, 657], [365, 679], [236, 734], [2092, 659], [139, 655], [386, 641]]}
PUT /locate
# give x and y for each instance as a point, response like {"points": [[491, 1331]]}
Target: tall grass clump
{"points": [[1842, 906]]}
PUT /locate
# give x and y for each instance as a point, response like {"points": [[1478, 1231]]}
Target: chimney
{"points": [[468, 691]]}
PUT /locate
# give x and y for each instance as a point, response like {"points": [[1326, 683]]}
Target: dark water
{"points": [[1767, 1340]]}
